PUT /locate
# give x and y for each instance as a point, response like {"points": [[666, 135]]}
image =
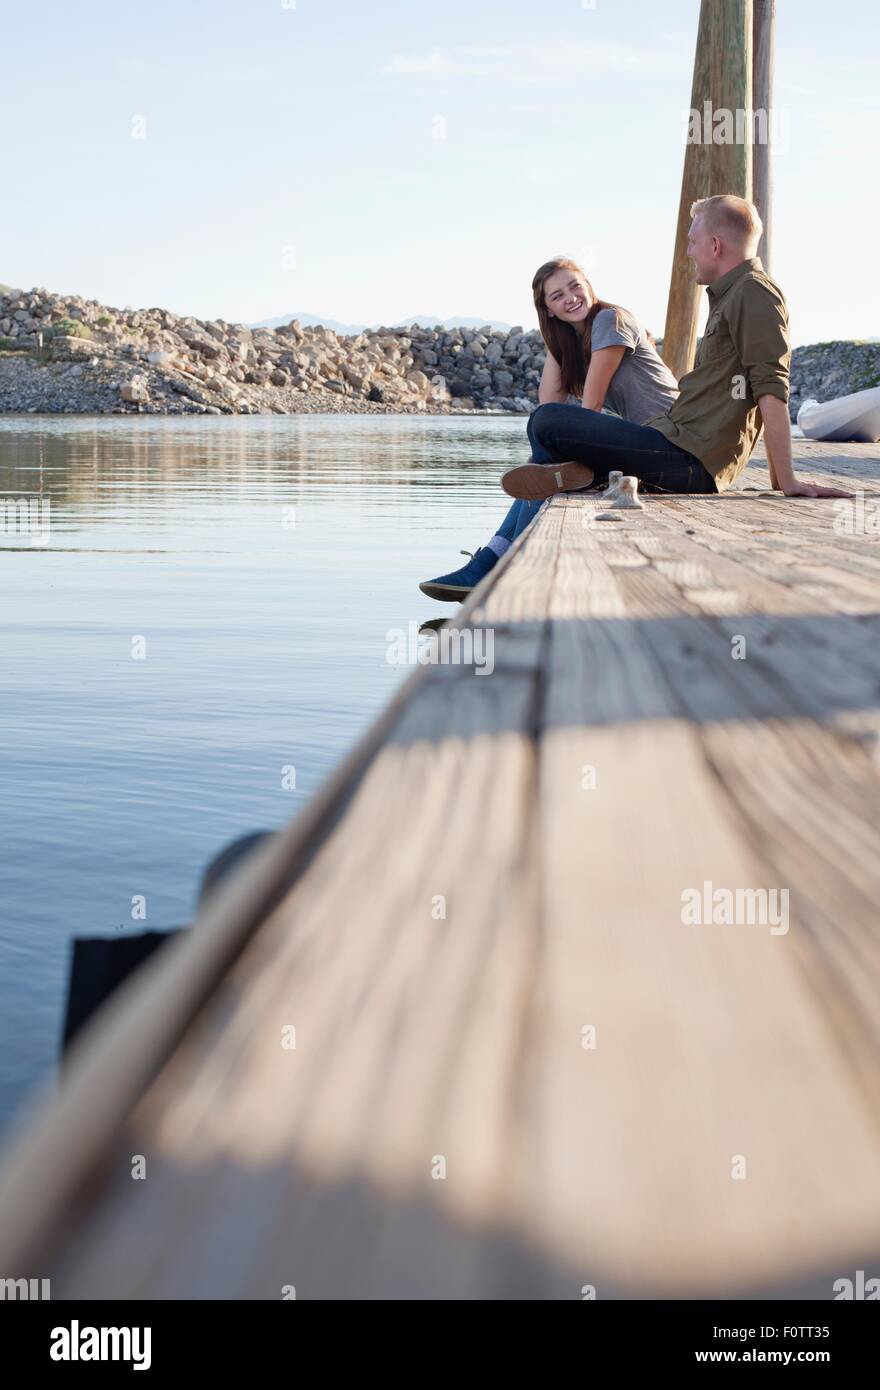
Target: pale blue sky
{"points": [[291, 158]]}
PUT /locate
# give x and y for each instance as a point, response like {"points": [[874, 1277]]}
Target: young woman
{"points": [[596, 351]]}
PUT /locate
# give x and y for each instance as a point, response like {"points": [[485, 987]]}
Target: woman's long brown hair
{"points": [[562, 340]]}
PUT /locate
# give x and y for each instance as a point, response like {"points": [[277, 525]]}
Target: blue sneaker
{"points": [[456, 586]]}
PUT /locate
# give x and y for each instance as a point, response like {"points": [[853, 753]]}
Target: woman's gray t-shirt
{"points": [[643, 386]]}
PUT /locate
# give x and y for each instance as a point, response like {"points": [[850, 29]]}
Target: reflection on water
{"points": [[257, 564]]}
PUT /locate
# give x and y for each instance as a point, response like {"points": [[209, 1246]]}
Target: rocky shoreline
{"points": [[64, 354], [824, 371]]}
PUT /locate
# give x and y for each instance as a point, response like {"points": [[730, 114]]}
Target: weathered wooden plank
{"points": [[393, 1008], [655, 990]]}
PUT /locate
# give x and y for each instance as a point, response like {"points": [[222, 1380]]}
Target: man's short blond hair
{"points": [[730, 217]]}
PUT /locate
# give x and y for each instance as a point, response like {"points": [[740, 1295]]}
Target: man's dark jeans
{"points": [[558, 433]]}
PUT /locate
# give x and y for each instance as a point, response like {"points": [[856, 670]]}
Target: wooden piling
{"points": [[763, 46], [722, 82]]}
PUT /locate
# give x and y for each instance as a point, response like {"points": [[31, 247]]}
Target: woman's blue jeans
{"points": [[558, 433]]}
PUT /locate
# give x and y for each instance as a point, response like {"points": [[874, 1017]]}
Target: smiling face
{"points": [[704, 249], [567, 296]]}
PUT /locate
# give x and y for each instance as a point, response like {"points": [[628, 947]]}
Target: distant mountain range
{"points": [[350, 329]]}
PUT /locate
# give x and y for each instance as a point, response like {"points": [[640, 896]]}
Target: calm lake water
{"points": [[262, 563]]}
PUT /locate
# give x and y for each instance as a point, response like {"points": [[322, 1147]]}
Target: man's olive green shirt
{"points": [[745, 353]]}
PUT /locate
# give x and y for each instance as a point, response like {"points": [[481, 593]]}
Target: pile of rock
{"points": [[65, 353], [62, 352], [826, 370], [486, 366]]}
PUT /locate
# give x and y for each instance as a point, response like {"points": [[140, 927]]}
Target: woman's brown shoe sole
{"points": [[535, 481]]}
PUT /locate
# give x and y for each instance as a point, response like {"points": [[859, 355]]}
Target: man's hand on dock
{"points": [[796, 489], [777, 438]]}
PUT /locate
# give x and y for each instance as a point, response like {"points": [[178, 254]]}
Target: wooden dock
{"points": [[521, 1069]]}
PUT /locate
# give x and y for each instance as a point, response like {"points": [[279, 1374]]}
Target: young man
{"points": [[740, 382]]}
